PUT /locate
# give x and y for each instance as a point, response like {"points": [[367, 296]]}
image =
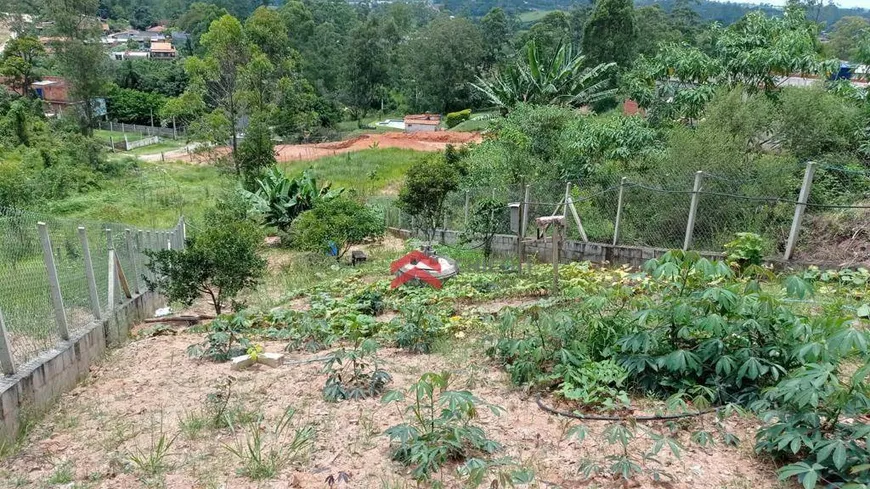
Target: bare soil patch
{"points": [[422, 141], [96, 427]]}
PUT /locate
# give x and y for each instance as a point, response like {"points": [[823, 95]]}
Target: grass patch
{"points": [[369, 172], [164, 146], [107, 136], [534, 16], [479, 121], [152, 195]]}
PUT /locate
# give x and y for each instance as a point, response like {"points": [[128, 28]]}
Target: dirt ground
{"points": [[118, 411], [421, 141]]}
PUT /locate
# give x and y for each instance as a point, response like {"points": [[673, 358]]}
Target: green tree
{"points": [[427, 184], [496, 30], [216, 77], [560, 79], [196, 21], [142, 17], [485, 221], [367, 67], [266, 30], [80, 56], [339, 223], [256, 151], [654, 28], [21, 62], [219, 260], [549, 33], [610, 35], [133, 106], [845, 37], [442, 59]]}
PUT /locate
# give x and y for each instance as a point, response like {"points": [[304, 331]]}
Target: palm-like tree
{"points": [[560, 79]]}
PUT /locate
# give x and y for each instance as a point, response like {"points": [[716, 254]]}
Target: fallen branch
{"points": [[601, 417], [178, 319]]}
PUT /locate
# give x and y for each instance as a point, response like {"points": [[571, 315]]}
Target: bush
{"points": [[220, 260], [453, 119], [745, 250], [280, 199], [427, 184], [333, 226]]}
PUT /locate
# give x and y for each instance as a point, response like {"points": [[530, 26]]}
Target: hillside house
{"points": [[163, 50], [422, 122]]}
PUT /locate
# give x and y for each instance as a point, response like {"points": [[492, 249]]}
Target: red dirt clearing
{"points": [[422, 141]]}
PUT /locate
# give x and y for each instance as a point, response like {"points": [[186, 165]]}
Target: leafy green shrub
{"points": [[745, 250], [354, 374], [718, 341], [427, 184], [280, 199], [418, 328], [439, 428], [225, 339], [453, 119], [219, 260], [814, 419], [487, 218], [334, 225]]}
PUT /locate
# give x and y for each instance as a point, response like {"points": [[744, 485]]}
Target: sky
{"points": [[841, 3]]}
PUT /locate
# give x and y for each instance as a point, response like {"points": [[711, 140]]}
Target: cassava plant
{"points": [[439, 428], [354, 374]]}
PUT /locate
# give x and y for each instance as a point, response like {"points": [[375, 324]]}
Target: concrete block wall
{"points": [[506, 244], [38, 383]]}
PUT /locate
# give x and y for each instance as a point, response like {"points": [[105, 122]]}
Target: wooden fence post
{"points": [[799, 209], [54, 284], [618, 212], [693, 210], [89, 273], [6, 365]]}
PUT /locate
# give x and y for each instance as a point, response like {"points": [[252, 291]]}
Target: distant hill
{"points": [[723, 12]]}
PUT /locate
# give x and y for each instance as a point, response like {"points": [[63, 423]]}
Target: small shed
{"points": [[422, 122]]}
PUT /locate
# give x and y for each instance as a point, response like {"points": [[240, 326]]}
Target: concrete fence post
{"points": [[112, 279], [171, 243], [524, 223], [54, 284], [618, 212], [131, 251], [799, 209], [6, 365], [141, 246], [183, 233], [693, 210], [89, 273]]}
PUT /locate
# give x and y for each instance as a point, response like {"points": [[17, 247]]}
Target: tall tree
{"points": [[142, 17], [496, 29], [610, 35], [442, 61], [217, 76], [21, 62], [845, 37], [196, 21], [80, 56], [367, 67]]}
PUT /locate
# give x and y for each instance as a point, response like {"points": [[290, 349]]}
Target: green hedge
{"points": [[455, 118]]}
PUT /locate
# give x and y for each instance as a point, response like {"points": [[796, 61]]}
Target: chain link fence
{"points": [[655, 211], [44, 264]]}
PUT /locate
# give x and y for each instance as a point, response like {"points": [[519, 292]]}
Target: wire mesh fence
{"points": [[655, 211], [40, 271]]}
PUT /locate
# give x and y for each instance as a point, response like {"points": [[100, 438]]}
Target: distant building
{"points": [[54, 93], [143, 38], [422, 122], [124, 55], [163, 50]]}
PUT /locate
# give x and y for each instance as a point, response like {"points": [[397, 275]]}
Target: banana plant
{"points": [[280, 199], [560, 79]]}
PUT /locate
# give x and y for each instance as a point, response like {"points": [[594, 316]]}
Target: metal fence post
{"points": [[131, 250], [89, 273], [693, 210], [6, 365], [54, 284], [799, 210], [618, 212]]}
